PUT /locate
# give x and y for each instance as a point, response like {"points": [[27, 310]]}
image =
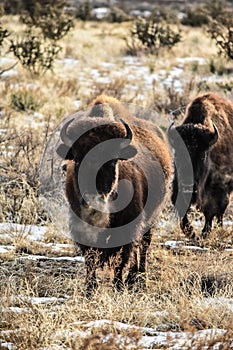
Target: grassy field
{"points": [[188, 303]]}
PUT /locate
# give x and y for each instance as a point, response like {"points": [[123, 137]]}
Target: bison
{"points": [[206, 133], [117, 178]]}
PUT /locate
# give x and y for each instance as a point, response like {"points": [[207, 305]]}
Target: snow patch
{"points": [[33, 232]]}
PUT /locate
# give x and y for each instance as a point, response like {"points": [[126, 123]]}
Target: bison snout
{"points": [[88, 200]]}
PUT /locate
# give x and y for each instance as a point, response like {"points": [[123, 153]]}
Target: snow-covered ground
{"points": [[139, 73]]}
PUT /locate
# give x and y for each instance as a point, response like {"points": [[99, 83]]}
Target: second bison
{"points": [[207, 133]]}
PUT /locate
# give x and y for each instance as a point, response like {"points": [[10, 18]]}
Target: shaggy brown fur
{"points": [[207, 131], [145, 163]]}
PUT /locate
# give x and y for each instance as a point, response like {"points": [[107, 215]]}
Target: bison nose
{"points": [[87, 199], [84, 199]]}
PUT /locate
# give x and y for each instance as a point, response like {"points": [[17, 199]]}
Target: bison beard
{"points": [[138, 166], [206, 133]]}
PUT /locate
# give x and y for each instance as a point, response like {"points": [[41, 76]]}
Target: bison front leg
{"points": [[137, 274], [118, 269], [215, 199], [118, 278], [146, 241], [91, 265], [133, 272]]}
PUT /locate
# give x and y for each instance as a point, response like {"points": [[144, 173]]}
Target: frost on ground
{"points": [[149, 338], [121, 333]]}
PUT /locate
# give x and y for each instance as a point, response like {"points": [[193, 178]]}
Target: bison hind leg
{"points": [[208, 225], [187, 228], [207, 228], [123, 259]]}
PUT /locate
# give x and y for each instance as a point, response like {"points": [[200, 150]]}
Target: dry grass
{"points": [[175, 299], [179, 281]]}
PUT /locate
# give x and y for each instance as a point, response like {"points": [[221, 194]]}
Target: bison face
{"points": [[191, 144]]}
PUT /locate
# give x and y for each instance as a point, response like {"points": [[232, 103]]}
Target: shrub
{"points": [[18, 200], [221, 31], [165, 14], [20, 151], [3, 35], [53, 18], [35, 53], [195, 17], [25, 100], [47, 22], [215, 8], [152, 36]]}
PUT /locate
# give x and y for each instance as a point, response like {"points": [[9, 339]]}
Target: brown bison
{"points": [[203, 144], [117, 178]]}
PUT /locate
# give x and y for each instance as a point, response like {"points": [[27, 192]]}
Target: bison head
{"points": [[95, 146], [191, 143]]}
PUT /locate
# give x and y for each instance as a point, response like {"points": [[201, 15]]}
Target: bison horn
{"points": [[214, 135], [170, 133], [63, 133], [129, 133], [170, 129]]}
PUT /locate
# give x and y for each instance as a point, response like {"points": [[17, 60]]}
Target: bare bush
{"points": [[221, 31], [46, 23], [20, 151], [195, 17], [52, 17], [151, 36], [35, 53], [26, 100]]}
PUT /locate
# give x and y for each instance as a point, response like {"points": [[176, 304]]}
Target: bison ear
{"points": [[65, 152], [127, 153]]}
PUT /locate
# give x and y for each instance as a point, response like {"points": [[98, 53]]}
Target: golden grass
{"points": [[174, 300]]}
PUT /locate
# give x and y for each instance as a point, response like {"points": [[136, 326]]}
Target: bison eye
{"points": [[64, 167], [112, 163]]}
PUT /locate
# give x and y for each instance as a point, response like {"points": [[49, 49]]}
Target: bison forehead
{"points": [[196, 136], [95, 129]]}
